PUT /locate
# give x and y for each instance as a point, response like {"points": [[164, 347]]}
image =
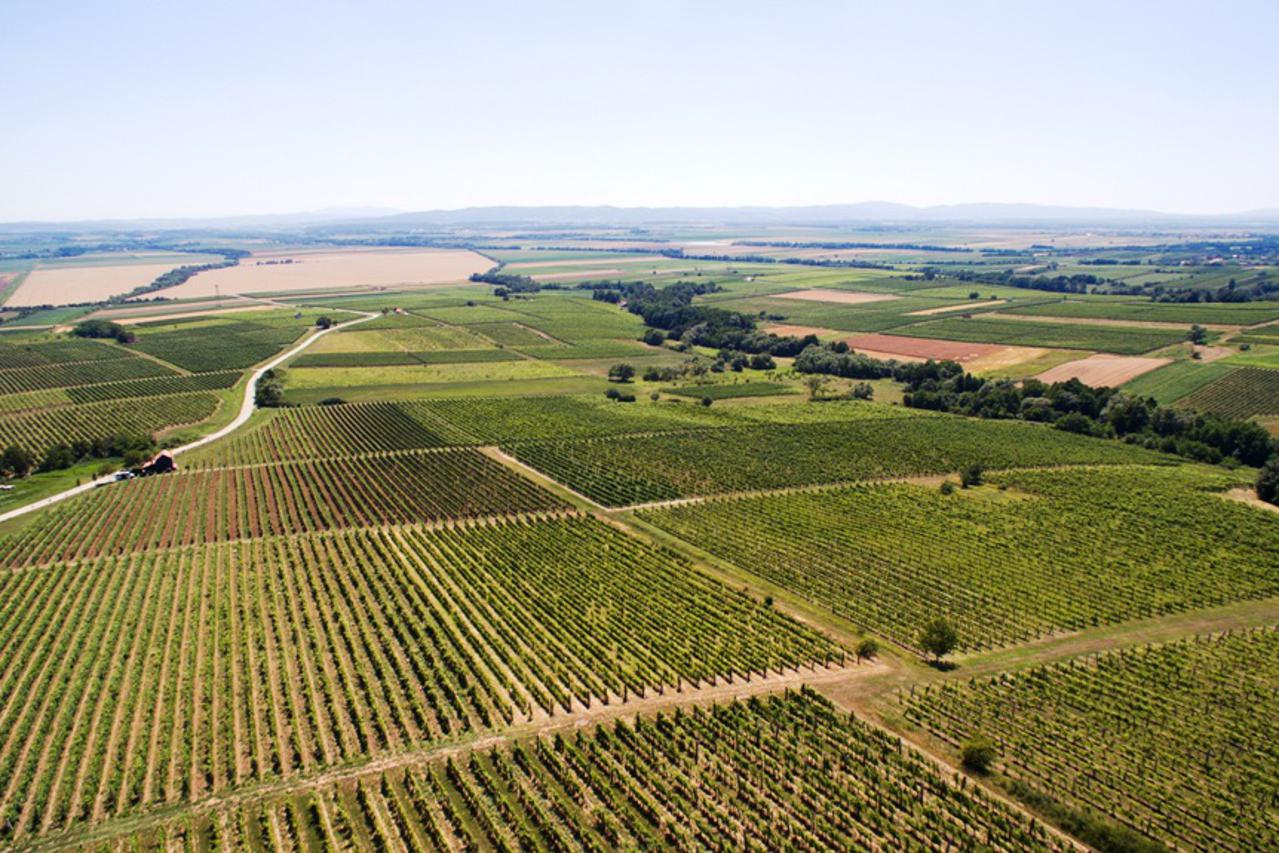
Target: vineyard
{"points": [[66, 374], [622, 471], [271, 500], [789, 772], [157, 387], [62, 351], [1177, 741], [1003, 566], [995, 330], [40, 429], [728, 391], [313, 432], [1243, 393], [1242, 314], [153, 679], [231, 345], [386, 359]]}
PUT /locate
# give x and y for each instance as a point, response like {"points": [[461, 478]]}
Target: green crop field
{"points": [[1244, 314], [1176, 740], [223, 345], [1241, 393], [1173, 381], [39, 429], [1115, 339], [706, 779], [728, 391], [1005, 566], [267, 500], [311, 651], [630, 470]]}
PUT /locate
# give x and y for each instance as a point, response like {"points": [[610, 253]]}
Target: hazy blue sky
{"points": [[176, 108]]}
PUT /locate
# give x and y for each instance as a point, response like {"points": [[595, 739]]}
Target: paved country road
{"points": [[246, 411]]}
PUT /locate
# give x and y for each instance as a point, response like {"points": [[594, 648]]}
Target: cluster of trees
{"points": [[1262, 287], [1071, 406], [671, 314], [269, 392], [1102, 412], [104, 329], [1076, 283], [507, 283], [18, 461]]}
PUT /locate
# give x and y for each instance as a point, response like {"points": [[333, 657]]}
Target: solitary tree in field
{"points": [[978, 753], [814, 383], [973, 475], [938, 638], [1198, 334], [867, 649], [621, 373], [17, 461]]}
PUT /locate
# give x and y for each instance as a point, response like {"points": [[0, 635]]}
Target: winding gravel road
{"points": [[246, 411]]}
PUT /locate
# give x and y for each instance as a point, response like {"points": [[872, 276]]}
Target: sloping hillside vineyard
{"points": [[578, 555]]}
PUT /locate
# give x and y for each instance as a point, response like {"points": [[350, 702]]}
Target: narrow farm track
{"points": [[246, 411], [723, 690]]}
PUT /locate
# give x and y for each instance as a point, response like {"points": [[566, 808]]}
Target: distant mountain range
{"points": [[380, 219]]}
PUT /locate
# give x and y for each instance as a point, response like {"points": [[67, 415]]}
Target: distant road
{"points": [[246, 412]]}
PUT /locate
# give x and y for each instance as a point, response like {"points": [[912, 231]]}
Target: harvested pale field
{"points": [[923, 347], [1103, 370], [584, 262], [842, 297], [565, 276], [888, 356], [946, 309], [1008, 357], [785, 329], [71, 285], [268, 273]]}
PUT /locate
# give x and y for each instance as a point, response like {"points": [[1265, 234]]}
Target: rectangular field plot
{"points": [[390, 359], [224, 345], [313, 432], [995, 330], [1245, 314], [60, 351], [622, 471], [176, 676], [65, 375], [1174, 381], [40, 429], [732, 390], [1060, 550], [789, 772], [870, 317], [1242, 393], [273, 500], [1176, 741], [158, 386]]}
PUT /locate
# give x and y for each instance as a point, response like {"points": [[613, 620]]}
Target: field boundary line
{"points": [[550, 483]]}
